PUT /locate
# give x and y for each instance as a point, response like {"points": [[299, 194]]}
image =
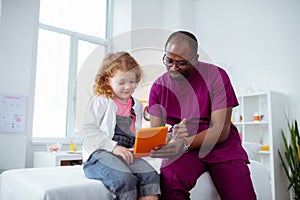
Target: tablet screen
{"points": [[147, 139]]}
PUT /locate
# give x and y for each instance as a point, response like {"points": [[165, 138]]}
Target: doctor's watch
{"points": [[186, 146]]}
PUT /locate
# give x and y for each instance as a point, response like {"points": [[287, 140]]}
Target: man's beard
{"points": [[175, 75]]}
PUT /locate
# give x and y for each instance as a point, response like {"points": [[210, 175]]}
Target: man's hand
{"points": [[180, 130], [125, 153], [169, 150]]}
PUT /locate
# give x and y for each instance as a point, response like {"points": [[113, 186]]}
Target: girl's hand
{"points": [[125, 153], [180, 130]]}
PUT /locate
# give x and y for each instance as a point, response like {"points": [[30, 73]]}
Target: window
{"points": [[69, 31]]}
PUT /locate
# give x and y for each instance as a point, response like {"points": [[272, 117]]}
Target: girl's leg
{"points": [[232, 180], [180, 176], [153, 197], [148, 179], [113, 172]]}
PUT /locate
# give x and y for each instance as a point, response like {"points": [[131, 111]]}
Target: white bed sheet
{"points": [[55, 183], [69, 182]]}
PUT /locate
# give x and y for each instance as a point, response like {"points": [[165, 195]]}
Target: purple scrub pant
{"points": [[231, 178]]}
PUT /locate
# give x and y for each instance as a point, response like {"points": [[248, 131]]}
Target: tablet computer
{"points": [[147, 139]]}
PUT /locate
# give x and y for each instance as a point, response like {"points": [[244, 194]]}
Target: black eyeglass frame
{"points": [[181, 64]]}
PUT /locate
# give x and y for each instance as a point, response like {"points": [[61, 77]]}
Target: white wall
{"points": [[0, 9], [257, 42], [17, 60], [148, 26], [121, 16]]}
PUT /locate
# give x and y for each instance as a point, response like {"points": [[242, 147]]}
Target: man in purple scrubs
{"points": [[197, 98]]}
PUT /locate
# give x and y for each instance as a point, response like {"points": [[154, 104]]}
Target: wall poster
{"points": [[12, 113]]}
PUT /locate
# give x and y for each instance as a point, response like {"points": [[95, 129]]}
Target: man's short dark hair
{"points": [[187, 36]]}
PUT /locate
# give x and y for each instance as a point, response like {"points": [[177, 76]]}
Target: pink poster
{"points": [[12, 113]]}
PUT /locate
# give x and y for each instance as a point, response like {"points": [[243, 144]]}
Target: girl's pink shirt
{"points": [[124, 109]]}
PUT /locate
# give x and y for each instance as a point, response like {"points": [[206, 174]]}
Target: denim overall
{"points": [[124, 181], [122, 131]]}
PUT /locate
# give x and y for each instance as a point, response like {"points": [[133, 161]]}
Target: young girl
{"points": [[108, 132]]}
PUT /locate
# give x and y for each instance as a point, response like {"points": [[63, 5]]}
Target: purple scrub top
{"points": [[206, 89]]}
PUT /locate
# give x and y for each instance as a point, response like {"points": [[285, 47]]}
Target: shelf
{"points": [[261, 93], [251, 123], [256, 123], [61, 158], [238, 123], [266, 132], [264, 152]]}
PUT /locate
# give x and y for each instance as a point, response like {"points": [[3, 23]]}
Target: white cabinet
{"points": [[271, 108], [61, 158]]}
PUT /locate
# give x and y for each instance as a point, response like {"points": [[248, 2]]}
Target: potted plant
{"points": [[291, 159]]}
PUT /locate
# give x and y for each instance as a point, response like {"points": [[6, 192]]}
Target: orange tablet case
{"points": [[147, 139]]}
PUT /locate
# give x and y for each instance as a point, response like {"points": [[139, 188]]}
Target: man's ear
{"points": [[196, 58]]}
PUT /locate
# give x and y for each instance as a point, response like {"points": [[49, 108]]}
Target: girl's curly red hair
{"points": [[111, 63]]}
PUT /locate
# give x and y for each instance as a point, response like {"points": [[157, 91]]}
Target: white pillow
{"points": [[252, 149], [261, 180]]}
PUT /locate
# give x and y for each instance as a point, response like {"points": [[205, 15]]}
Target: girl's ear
{"points": [[106, 80]]}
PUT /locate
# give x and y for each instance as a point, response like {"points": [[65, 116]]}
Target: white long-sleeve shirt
{"points": [[99, 123]]}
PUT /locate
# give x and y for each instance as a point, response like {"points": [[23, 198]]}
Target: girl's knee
{"points": [[127, 181], [151, 177]]}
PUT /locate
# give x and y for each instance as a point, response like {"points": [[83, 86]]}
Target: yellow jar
{"points": [[265, 148], [73, 146]]}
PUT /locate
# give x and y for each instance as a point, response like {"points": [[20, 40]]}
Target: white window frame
{"points": [[73, 58]]}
